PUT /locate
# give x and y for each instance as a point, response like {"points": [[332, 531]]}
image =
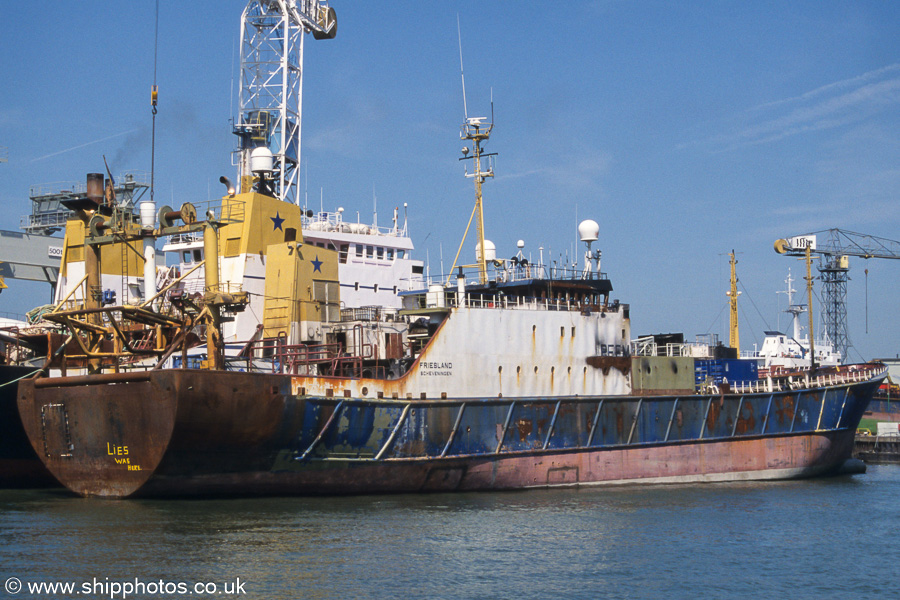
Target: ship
{"points": [[20, 466], [789, 351], [505, 375], [885, 404]]}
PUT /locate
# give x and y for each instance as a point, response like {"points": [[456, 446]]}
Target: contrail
{"points": [[83, 145]]}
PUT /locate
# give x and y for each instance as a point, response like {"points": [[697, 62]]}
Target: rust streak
{"points": [[525, 427], [745, 425]]}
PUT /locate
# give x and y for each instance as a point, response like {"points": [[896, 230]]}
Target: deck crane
{"points": [[833, 247], [268, 123]]}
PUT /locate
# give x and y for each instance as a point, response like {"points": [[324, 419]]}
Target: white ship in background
{"points": [[788, 351]]}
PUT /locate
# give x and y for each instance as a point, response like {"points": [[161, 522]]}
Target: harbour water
{"points": [[822, 538]]}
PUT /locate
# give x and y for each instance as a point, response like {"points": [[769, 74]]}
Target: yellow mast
{"points": [[477, 132], [734, 338], [479, 179], [809, 292]]}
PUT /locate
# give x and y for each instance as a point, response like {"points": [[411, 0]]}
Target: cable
{"points": [[154, 96], [721, 310]]}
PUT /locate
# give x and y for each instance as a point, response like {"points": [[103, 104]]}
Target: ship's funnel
{"points": [[92, 199], [95, 187]]}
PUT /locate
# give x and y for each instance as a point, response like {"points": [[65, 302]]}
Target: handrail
{"points": [[165, 289], [75, 288]]}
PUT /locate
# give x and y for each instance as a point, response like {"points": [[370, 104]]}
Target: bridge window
{"points": [[195, 255]]}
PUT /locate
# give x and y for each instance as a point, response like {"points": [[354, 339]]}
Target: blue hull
{"points": [[185, 432]]}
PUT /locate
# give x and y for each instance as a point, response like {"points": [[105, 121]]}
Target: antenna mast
{"points": [[272, 85], [462, 75], [476, 131]]}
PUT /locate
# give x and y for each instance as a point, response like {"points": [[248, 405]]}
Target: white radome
{"points": [[261, 160], [589, 230], [490, 251]]}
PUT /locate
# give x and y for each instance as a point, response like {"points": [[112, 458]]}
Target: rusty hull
{"points": [[110, 435], [192, 432]]}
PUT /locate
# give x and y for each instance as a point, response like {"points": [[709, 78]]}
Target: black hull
{"points": [[20, 466]]}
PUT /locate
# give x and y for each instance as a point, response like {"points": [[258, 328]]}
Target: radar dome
{"points": [[589, 230], [490, 251], [261, 160]]}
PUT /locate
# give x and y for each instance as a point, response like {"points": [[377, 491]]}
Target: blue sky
{"points": [[686, 129]]}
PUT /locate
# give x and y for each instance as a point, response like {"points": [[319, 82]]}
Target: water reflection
{"points": [[746, 539]]}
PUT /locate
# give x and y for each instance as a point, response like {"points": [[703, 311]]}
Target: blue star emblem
{"points": [[278, 221], [317, 264]]}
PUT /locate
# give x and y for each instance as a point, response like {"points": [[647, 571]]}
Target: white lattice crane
{"points": [[268, 123], [834, 247]]}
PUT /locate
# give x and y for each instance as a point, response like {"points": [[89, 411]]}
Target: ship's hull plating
{"points": [[183, 432]]}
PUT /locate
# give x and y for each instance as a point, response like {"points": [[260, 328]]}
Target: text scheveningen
{"points": [[435, 369]]}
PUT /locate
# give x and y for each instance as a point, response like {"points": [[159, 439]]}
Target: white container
{"points": [[148, 214], [435, 296], [888, 428]]}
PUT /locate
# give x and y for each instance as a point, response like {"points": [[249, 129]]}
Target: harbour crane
{"points": [[268, 123], [833, 247]]}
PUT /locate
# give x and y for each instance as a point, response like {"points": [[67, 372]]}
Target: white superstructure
{"points": [[374, 263], [789, 351]]}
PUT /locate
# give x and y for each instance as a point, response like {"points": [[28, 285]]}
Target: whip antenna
{"points": [[461, 74]]}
